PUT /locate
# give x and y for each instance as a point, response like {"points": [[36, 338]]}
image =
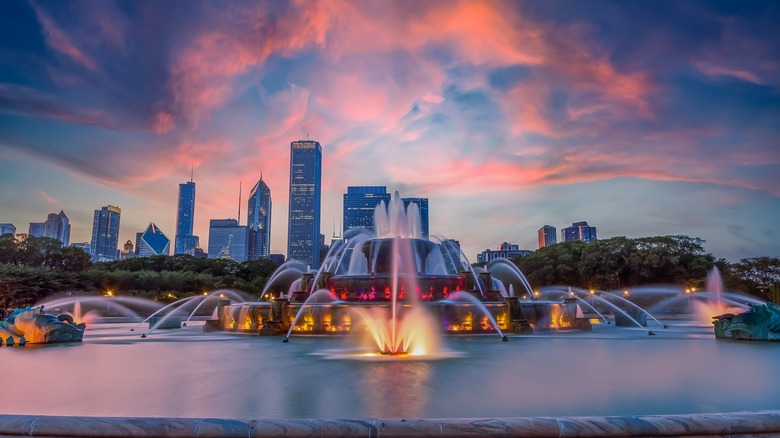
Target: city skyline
{"points": [[644, 118]]}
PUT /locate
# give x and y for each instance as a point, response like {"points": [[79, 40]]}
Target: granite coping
{"points": [[731, 424]]}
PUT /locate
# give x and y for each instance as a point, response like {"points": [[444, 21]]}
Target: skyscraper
{"points": [[36, 229], [359, 205], [259, 218], [185, 217], [579, 231], [547, 236], [228, 240], [303, 228], [7, 229], [57, 226], [152, 242], [105, 233], [422, 205]]}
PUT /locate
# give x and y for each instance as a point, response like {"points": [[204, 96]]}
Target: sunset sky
{"points": [[643, 118]]}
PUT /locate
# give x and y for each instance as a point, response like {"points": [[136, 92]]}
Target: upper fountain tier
{"points": [[369, 266], [366, 269]]}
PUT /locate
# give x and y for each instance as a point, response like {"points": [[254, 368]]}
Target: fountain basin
{"points": [[452, 317]]}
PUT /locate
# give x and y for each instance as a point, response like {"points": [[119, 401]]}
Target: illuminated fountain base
{"points": [[510, 315]]}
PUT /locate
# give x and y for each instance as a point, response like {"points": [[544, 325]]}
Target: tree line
{"points": [[33, 268], [622, 262]]}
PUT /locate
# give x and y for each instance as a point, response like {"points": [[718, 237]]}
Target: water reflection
{"points": [[394, 389]]}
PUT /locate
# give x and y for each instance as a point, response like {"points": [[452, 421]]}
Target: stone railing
{"points": [[754, 423]]}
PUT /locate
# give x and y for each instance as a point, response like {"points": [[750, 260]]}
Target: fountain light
{"points": [[625, 293]]}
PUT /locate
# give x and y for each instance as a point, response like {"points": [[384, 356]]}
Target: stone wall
{"points": [[756, 423]]}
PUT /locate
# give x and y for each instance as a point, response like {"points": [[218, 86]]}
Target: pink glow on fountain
{"points": [[714, 304]]}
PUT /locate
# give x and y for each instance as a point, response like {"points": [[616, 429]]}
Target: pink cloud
{"points": [[60, 42]]}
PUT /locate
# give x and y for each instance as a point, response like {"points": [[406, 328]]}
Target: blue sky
{"points": [[643, 118]]}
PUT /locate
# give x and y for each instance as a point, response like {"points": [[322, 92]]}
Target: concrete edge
{"points": [[752, 423]]}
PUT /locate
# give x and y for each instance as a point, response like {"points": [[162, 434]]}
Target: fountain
{"points": [[398, 287], [761, 322]]}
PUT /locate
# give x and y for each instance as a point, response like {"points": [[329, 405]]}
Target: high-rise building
{"points": [[579, 231], [422, 206], [7, 229], [359, 205], [547, 236], [36, 229], [259, 218], [152, 242], [185, 217], [305, 191], [105, 233], [57, 226], [228, 240]]}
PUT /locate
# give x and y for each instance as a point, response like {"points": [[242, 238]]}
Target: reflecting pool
{"points": [[188, 373]]}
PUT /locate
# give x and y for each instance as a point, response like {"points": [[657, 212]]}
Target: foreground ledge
{"points": [[752, 423]]}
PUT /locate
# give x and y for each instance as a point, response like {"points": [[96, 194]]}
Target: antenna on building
{"points": [[261, 175], [192, 172], [239, 202]]}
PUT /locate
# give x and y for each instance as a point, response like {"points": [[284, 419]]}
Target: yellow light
{"points": [[592, 291], [693, 289], [536, 293], [625, 293], [205, 293]]}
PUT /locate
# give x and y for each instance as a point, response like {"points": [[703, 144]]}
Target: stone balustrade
{"points": [[733, 424]]}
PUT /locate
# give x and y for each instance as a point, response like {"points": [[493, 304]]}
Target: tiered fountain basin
{"points": [[460, 301]]}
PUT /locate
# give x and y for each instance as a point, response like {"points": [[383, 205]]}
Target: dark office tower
{"points": [[185, 216], [36, 229], [579, 231], [359, 205], [547, 236], [303, 227], [422, 205], [105, 233], [57, 226], [259, 218]]}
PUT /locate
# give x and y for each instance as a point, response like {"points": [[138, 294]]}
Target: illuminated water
{"points": [[188, 373]]}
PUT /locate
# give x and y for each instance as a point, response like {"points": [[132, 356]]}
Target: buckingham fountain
{"points": [[401, 289], [579, 362]]}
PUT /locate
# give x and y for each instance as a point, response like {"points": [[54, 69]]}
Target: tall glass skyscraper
{"points": [[547, 236], [259, 218], [359, 205], [185, 217], [105, 233], [57, 226], [303, 227]]}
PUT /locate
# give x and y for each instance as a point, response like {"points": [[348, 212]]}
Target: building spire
{"points": [[239, 202], [192, 172]]}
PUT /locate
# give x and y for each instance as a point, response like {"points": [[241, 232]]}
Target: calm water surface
{"points": [[188, 373]]}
